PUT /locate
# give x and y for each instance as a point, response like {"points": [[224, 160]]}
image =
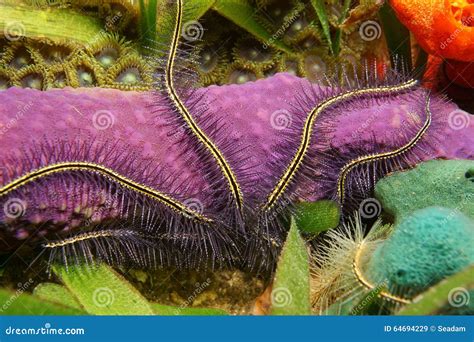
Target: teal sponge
{"points": [[424, 248], [444, 183]]}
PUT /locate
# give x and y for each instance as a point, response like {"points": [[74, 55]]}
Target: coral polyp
{"points": [[238, 74], [84, 71], [130, 72], [5, 79], [251, 52], [210, 64], [108, 49], [32, 77], [17, 56]]}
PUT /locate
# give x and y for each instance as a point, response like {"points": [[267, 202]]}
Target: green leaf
{"points": [[342, 307], [57, 294], [397, 37], [436, 297], [166, 310], [148, 12], [291, 291], [317, 217], [193, 10], [40, 24], [242, 13], [323, 20], [15, 303], [363, 306], [101, 291]]}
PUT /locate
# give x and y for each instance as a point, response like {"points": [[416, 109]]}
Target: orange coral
{"points": [[442, 27]]}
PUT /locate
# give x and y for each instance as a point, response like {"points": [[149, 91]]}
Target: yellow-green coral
{"points": [[108, 48], [84, 71], [239, 73], [61, 64], [102, 32], [32, 76], [130, 73]]}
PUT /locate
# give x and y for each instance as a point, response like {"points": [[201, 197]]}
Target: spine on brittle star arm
{"points": [[89, 236], [184, 112], [111, 174], [366, 283], [307, 132], [111, 245], [347, 168]]}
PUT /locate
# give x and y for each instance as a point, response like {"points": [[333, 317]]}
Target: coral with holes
{"points": [[293, 23], [425, 247], [230, 51], [108, 62]]}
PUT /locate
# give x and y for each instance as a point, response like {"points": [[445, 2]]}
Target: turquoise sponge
{"points": [[424, 248]]}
